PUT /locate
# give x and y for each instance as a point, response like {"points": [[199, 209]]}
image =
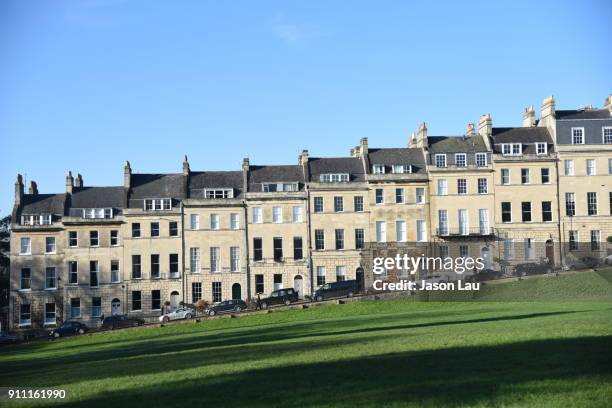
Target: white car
{"points": [[178, 314]]}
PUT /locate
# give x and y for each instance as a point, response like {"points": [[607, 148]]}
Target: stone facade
{"points": [[162, 239]]}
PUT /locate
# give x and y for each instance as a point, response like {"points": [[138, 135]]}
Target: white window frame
{"points": [[296, 214], [218, 193], [513, 149], [378, 169], [484, 163], [157, 204], [528, 176], [420, 198], [25, 322], [117, 271], [442, 163], [54, 269], [340, 273], [603, 134], [53, 245], [50, 322], [215, 222], [277, 215], [442, 187], [568, 167], [195, 260], [462, 186], [234, 221], [443, 222], [464, 221], [194, 222], [28, 246], [381, 231], [234, 259], [591, 170], [215, 259], [401, 234], [540, 144], [421, 231], [401, 169], [483, 221], [581, 129], [257, 215], [334, 178], [464, 155], [484, 184]]}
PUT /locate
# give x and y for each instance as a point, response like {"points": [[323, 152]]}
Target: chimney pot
{"points": [[127, 175], [79, 181], [186, 168], [69, 182], [33, 188]]}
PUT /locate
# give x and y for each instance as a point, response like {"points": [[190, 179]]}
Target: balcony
{"points": [[465, 232]]}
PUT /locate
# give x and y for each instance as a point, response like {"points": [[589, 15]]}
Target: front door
{"points": [[236, 291], [174, 300], [298, 285], [115, 307], [550, 252]]}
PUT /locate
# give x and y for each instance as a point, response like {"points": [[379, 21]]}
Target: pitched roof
{"points": [[335, 165], [272, 174], [199, 180], [43, 204], [527, 136], [98, 197], [157, 186], [401, 155], [456, 144], [583, 114]]}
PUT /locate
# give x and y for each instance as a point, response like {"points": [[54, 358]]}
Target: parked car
{"points": [[68, 329], [227, 306], [532, 268], [487, 274], [586, 262], [280, 297], [120, 321], [336, 289], [6, 338], [178, 314]]}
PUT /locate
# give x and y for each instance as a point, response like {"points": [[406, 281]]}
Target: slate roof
{"points": [[98, 197], [282, 173], [43, 204], [327, 165], [583, 114], [456, 144], [157, 186], [402, 155], [527, 136], [199, 180]]}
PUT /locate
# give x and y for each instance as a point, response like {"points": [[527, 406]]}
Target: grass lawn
{"points": [[484, 352]]}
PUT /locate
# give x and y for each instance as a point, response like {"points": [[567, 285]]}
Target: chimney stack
{"points": [[485, 126], [608, 103], [529, 117], [79, 181], [18, 190], [127, 175], [186, 169], [246, 166], [412, 140], [69, 182], [470, 130], [33, 188], [303, 159], [421, 138], [363, 146], [548, 108]]}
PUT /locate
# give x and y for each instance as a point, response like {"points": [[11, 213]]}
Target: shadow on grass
{"points": [[204, 350], [455, 376]]}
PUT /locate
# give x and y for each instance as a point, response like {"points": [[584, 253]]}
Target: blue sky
{"points": [[85, 85]]}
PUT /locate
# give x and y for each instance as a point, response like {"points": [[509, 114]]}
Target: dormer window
{"points": [[334, 178], [158, 204], [578, 135], [461, 160], [481, 159], [279, 187], [512, 149], [440, 160], [219, 193], [36, 219], [541, 148], [97, 213], [378, 169], [402, 168]]}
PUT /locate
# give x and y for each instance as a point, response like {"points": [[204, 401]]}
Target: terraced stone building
{"points": [[541, 192]]}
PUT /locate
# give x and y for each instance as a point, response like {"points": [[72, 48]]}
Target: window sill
{"points": [[50, 253], [25, 325], [25, 253], [24, 290], [50, 288], [50, 323]]}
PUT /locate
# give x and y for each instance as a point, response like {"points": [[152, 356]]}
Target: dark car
{"points": [[227, 306], [486, 275], [280, 297], [69, 329], [120, 321], [7, 339], [336, 289], [532, 268]]}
